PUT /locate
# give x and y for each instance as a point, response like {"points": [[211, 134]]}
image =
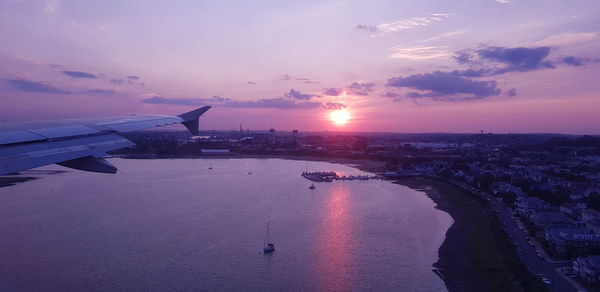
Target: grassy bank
{"points": [[477, 254]]}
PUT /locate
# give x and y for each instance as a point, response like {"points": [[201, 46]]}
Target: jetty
{"points": [[329, 176]]}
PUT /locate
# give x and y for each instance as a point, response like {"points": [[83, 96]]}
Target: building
{"points": [[588, 268], [567, 242]]}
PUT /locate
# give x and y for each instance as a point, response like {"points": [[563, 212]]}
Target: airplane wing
{"points": [[78, 143]]}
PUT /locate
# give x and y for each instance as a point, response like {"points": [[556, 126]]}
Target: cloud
{"points": [[278, 102], [100, 91], [449, 86], [117, 81], [503, 1], [251, 83], [573, 61], [311, 82], [511, 92], [290, 77], [363, 89], [463, 57], [79, 74], [50, 6], [185, 101], [444, 36], [133, 77], [491, 61], [334, 106], [333, 91], [35, 86], [419, 53], [518, 59], [367, 27], [400, 25], [576, 61], [298, 95], [567, 39]]}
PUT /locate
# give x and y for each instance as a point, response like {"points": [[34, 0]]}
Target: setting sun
{"points": [[339, 117]]}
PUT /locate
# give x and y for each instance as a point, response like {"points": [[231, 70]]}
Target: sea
{"points": [[200, 225]]}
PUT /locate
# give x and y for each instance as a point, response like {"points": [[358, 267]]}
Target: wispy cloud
{"points": [[333, 91], [50, 6], [357, 88], [443, 36], [567, 39], [185, 101], [278, 103], [400, 25], [100, 91], [79, 74], [275, 103], [299, 95], [419, 53], [333, 105], [35, 86], [503, 1]]}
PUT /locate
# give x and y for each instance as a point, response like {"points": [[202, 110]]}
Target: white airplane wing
{"points": [[77, 143]]}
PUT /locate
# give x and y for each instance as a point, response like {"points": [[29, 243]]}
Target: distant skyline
{"points": [[394, 66]]}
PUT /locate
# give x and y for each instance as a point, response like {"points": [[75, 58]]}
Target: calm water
{"points": [[176, 225]]}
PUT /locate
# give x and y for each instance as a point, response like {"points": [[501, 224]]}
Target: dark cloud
{"points": [[511, 92], [35, 86], [133, 77], [333, 91], [573, 61], [360, 88], [298, 95], [309, 82], [449, 86], [278, 102], [251, 83], [79, 74], [286, 77], [518, 59], [185, 101], [334, 105], [117, 81], [367, 27], [463, 57], [99, 91], [492, 61]]}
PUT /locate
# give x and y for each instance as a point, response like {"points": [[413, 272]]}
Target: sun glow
{"points": [[340, 117]]}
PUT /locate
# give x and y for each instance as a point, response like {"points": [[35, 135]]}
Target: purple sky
{"points": [[398, 66]]}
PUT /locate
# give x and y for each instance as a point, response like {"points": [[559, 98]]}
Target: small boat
{"points": [[269, 247], [312, 187]]}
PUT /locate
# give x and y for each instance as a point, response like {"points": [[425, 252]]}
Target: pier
{"points": [[329, 176]]}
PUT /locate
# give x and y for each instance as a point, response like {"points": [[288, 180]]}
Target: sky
{"points": [[461, 66]]}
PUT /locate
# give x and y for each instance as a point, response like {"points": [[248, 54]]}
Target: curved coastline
{"points": [[468, 259]]}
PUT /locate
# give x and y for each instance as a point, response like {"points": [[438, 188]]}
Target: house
{"points": [[546, 218], [526, 206], [572, 241], [588, 268]]}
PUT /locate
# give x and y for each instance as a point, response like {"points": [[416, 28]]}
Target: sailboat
{"points": [[268, 247]]}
